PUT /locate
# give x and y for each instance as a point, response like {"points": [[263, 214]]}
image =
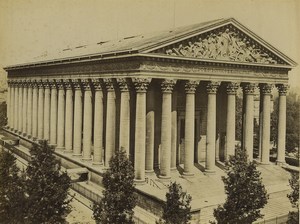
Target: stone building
{"points": [[167, 98]]}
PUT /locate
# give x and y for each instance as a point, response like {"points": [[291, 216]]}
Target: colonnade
{"points": [[69, 113]]}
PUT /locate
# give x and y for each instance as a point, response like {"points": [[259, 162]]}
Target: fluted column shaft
{"points": [[16, 107], [87, 121], [150, 130], [34, 109], [11, 110], [249, 89], [29, 110], [98, 122], [174, 132], [61, 116], [266, 116], [69, 117], [77, 140], [54, 113], [47, 111], [230, 121], [141, 86], [281, 123], [110, 121], [211, 88], [20, 111], [40, 110], [124, 116], [24, 108], [8, 115], [166, 128]]}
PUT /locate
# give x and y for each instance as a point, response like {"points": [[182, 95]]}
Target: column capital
{"points": [[34, 84], [76, 84], [52, 83], [86, 84], [282, 89], [109, 85], [123, 85], [97, 84], [68, 83], [167, 85], [46, 84], [266, 88], [141, 84], [249, 88], [22, 83], [232, 88], [40, 84], [60, 84], [212, 87], [190, 86], [10, 83]]}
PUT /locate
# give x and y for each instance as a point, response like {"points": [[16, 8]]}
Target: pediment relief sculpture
{"points": [[227, 44]]}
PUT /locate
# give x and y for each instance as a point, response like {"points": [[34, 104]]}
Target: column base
{"points": [[174, 168], [68, 151], [164, 177], [59, 148], [139, 182], [86, 159], [187, 174], [280, 163], [149, 171], [264, 163], [77, 154], [209, 171], [97, 163]]}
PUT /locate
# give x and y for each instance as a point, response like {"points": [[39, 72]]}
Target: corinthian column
{"points": [[282, 89], [16, 107], [124, 115], [24, 125], [53, 114], [69, 117], [266, 90], [87, 120], [211, 88], [47, 111], [8, 103], [141, 85], [34, 109], [110, 121], [41, 110], [249, 89], [77, 140], [11, 106], [230, 121], [98, 122], [29, 109], [61, 116], [20, 111], [189, 139], [166, 128]]}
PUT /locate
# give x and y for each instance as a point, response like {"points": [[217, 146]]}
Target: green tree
{"points": [[12, 195], [294, 198], [118, 199], [246, 194], [177, 207], [46, 186]]}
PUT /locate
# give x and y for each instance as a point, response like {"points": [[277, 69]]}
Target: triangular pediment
{"points": [[228, 42]]}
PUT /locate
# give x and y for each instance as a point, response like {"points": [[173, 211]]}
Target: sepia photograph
{"points": [[149, 112]]}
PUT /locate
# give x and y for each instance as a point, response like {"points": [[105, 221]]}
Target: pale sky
{"points": [[29, 28]]}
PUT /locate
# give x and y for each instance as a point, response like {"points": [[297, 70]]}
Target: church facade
{"points": [[168, 99]]}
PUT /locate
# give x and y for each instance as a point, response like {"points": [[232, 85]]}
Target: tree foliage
{"points": [[12, 195], [294, 198], [177, 207], [246, 194], [118, 199], [46, 186]]}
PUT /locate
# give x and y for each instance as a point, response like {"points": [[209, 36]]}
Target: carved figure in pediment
{"points": [[224, 45]]}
